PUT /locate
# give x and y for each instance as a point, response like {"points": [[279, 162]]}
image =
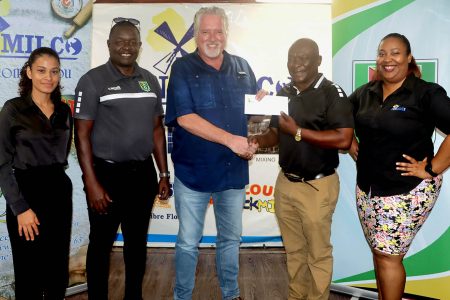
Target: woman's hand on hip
{"points": [[413, 167]]}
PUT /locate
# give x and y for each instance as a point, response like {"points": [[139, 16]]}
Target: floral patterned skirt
{"points": [[391, 223]]}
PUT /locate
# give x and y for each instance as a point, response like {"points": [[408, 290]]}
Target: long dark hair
{"points": [[26, 84], [412, 66]]}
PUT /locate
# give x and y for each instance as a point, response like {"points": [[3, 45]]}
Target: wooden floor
{"points": [[263, 275]]}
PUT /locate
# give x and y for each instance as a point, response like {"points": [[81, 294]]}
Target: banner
{"points": [[262, 34], [64, 26], [358, 27]]}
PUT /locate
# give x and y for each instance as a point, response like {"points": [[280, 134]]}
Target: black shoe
{"points": [[237, 298]]}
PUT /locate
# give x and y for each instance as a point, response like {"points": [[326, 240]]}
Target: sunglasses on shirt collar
{"points": [[129, 20]]}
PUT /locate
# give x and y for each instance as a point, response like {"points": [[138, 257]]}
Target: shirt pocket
{"points": [[402, 120], [202, 92], [237, 87]]}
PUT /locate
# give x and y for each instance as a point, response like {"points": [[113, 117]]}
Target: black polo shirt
{"points": [[123, 108], [403, 124], [322, 106]]}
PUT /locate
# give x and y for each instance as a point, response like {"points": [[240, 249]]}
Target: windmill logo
{"points": [[164, 38], [163, 30]]}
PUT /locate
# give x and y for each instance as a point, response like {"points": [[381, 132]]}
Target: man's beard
{"points": [[213, 52]]}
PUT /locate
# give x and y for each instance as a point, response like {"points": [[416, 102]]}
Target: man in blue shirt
{"points": [[205, 105]]}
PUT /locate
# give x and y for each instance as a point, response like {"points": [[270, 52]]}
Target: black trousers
{"points": [[132, 187], [41, 266]]}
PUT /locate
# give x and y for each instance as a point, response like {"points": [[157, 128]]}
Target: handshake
{"points": [[243, 147]]}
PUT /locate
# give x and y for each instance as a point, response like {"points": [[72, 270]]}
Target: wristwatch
{"points": [[429, 169], [164, 174], [298, 135]]}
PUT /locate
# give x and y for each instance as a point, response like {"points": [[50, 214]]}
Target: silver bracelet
{"points": [[164, 174]]}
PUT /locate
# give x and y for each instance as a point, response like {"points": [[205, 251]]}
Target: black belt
{"points": [[36, 170], [300, 178]]}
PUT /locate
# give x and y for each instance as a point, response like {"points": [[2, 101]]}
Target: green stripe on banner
{"points": [[346, 29], [427, 261], [422, 263]]}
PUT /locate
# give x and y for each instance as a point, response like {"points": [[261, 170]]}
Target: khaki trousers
{"points": [[304, 216]]}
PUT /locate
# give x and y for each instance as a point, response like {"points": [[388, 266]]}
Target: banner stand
{"points": [[356, 293], [79, 288]]}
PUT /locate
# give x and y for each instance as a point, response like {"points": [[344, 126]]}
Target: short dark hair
{"points": [[26, 84], [123, 24]]}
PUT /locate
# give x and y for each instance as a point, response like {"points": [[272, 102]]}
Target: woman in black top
{"points": [[399, 177], [35, 138]]}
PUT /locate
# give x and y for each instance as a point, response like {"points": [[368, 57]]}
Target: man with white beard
{"points": [[205, 105]]}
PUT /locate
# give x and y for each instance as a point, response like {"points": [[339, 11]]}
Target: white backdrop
{"points": [[260, 33]]}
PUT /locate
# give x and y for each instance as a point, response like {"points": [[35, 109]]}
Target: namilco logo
{"points": [[172, 36], [15, 44], [363, 70]]}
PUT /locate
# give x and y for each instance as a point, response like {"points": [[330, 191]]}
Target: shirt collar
{"points": [[116, 73], [226, 59], [408, 84], [28, 103], [314, 85]]}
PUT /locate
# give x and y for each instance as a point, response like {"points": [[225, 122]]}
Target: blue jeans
{"points": [[191, 209]]}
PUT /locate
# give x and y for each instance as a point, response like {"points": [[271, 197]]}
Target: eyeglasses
{"points": [[129, 20]]}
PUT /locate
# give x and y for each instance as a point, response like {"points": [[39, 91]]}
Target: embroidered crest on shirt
{"points": [[398, 108], [144, 86]]}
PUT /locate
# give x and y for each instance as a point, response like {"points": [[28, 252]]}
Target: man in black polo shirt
{"points": [[319, 123], [118, 126]]}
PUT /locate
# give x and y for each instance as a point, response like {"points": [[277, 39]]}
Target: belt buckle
{"points": [[293, 177], [296, 178], [320, 175]]}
